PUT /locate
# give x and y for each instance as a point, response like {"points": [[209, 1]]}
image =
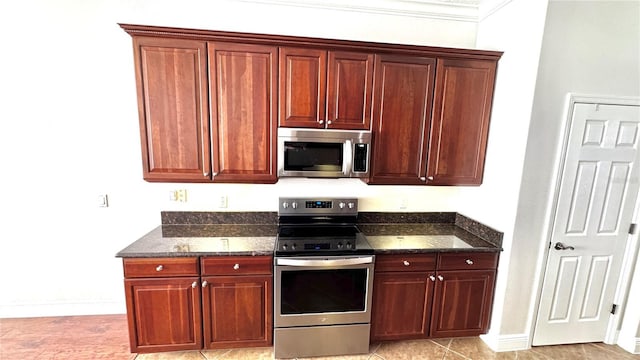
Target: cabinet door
{"points": [[401, 306], [238, 311], [303, 77], [461, 111], [242, 80], [403, 87], [462, 303], [350, 82], [173, 108], [164, 314]]}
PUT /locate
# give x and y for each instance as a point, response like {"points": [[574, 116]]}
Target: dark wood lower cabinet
{"points": [[164, 314], [195, 303], [416, 297], [462, 303], [237, 311], [401, 306]]}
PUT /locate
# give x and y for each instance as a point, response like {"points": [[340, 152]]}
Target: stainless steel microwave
{"points": [[326, 153]]}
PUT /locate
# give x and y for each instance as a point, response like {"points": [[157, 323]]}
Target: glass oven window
{"points": [[320, 291], [313, 156]]}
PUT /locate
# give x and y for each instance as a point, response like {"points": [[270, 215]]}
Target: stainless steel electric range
{"points": [[323, 279]]}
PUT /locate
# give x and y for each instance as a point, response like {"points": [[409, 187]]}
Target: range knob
{"points": [[341, 205], [294, 205], [284, 246], [348, 245], [293, 246], [339, 245], [351, 205], [285, 205]]}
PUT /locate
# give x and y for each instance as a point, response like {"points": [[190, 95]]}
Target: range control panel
{"points": [[323, 206]]}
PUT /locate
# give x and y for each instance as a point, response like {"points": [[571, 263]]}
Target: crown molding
{"points": [[453, 10], [490, 7]]}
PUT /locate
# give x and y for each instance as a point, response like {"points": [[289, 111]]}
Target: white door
{"points": [[598, 190]]}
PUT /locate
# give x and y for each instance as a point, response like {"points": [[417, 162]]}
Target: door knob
{"points": [[561, 246]]}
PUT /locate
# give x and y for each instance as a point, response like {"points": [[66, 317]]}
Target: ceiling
{"points": [[457, 10]]}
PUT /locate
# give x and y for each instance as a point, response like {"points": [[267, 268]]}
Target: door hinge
{"points": [[633, 228], [613, 309]]}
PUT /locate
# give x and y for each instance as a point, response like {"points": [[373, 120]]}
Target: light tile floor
{"points": [[105, 337]]}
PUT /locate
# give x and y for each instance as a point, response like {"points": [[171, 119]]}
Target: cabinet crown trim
{"points": [[285, 40]]}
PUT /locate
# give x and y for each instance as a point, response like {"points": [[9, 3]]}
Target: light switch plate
{"points": [[102, 200]]}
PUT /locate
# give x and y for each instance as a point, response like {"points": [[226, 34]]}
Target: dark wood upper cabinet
{"points": [[173, 108], [243, 80], [210, 103], [403, 91], [460, 121], [325, 89], [350, 85], [302, 87]]}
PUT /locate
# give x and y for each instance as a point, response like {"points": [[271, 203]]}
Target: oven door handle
{"points": [[325, 262]]}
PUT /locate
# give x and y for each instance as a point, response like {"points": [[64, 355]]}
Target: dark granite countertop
{"points": [[223, 234], [419, 238], [204, 240]]}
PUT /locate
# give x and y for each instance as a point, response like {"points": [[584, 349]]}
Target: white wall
{"points": [[515, 28], [69, 131], [589, 47]]}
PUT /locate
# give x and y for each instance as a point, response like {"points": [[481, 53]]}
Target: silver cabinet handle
{"points": [[561, 246], [469, 262], [422, 178], [429, 178], [195, 283], [328, 122], [206, 174], [432, 278], [214, 174], [406, 263], [320, 121], [205, 283], [159, 268], [440, 278], [236, 266]]}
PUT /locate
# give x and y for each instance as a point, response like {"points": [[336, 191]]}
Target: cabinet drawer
{"points": [[406, 262], [237, 265], [160, 267], [464, 261]]}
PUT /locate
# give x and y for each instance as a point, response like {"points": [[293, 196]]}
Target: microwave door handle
{"points": [[325, 262], [347, 167]]}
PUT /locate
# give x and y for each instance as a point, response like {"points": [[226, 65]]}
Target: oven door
{"points": [[318, 290]]}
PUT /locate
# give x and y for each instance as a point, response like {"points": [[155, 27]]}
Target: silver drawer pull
{"points": [[469, 262], [195, 283], [205, 283], [406, 263], [236, 266], [159, 268], [432, 278], [440, 278]]}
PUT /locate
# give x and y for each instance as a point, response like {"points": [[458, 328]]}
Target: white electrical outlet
{"points": [[403, 203], [223, 201], [178, 195]]}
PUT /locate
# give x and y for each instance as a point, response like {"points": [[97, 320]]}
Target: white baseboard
{"points": [[632, 346], [500, 343], [61, 309]]}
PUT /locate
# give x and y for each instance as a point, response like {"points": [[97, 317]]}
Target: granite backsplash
{"points": [[200, 218]]}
